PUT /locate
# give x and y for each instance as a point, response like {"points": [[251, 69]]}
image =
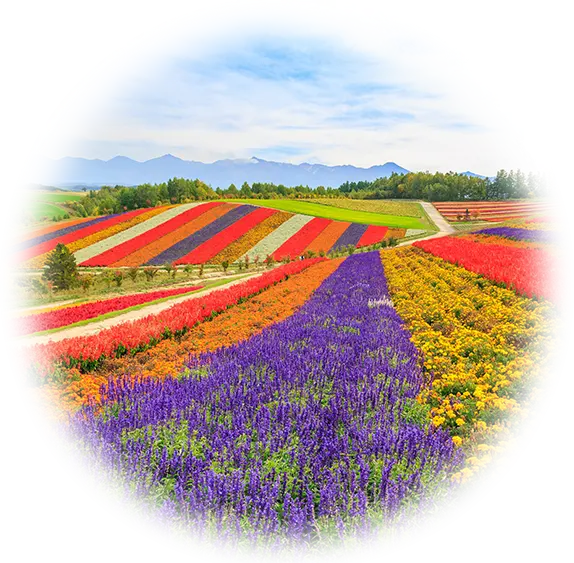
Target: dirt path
{"points": [[442, 224], [97, 326]]}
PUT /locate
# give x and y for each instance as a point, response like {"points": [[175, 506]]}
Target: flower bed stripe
{"points": [[548, 219], [234, 325], [479, 341], [39, 261], [87, 352], [54, 227], [251, 238], [351, 236], [180, 250], [126, 236], [85, 231], [372, 235], [194, 220], [295, 245], [76, 313], [501, 241], [517, 234], [42, 239], [215, 244], [528, 270], [274, 240], [303, 425], [328, 237]]}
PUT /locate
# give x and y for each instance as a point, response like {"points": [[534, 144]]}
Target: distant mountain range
{"points": [[75, 173]]}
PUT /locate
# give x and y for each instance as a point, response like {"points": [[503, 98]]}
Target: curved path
{"points": [[97, 326]]}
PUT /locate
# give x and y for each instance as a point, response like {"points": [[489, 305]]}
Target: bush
{"points": [[150, 273], [225, 265], [61, 268], [118, 277], [133, 274]]}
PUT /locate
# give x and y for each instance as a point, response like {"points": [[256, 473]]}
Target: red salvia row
{"points": [[295, 245], [372, 235]]}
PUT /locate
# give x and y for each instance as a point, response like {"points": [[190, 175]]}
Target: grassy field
{"points": [[58, 197], [42, 209], [337, 214], [384, 206]]}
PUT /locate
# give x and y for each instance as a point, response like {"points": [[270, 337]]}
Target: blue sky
{"points": [[290, 85]]}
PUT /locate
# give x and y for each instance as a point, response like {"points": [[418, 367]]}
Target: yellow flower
{"points": [[457, 440]]}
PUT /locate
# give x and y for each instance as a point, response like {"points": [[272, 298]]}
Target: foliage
{"points": [[61, 268]]}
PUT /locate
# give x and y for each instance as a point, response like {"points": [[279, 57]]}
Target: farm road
{"points": [[95, 327]]}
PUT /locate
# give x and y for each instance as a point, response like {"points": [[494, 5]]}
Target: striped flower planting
{"points": [[146, 233], [325, 241], [251, 238], [62, 232], [40, 261], [212, 246], [82, 233], [145, 253], [65, 316], [178, 251], [517, 234], [372, 235], [53, 228], [351, 236], [273, 241], [131, 233], [295, 246]]}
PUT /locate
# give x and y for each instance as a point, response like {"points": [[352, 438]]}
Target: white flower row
{"points": [[274, 240]]}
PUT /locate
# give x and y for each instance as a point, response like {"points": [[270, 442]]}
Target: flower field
{"points": [[289, 433], [324, 398], [532, 235], [528, 270], [87, 352], [198, 233], [64, 316], [479, 341], [492, 210]]}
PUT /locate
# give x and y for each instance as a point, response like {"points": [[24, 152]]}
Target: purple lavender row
{"points": [[67, 230], [517, 234], [307, 425], [183, 247], [351, 235]]}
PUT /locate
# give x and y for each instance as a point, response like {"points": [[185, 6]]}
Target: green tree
{"points": [[61, 268]]}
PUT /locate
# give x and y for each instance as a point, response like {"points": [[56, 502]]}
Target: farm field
{"points": [[326, 211], [297, 406], [292, 391], [492, 210], [383, 206], [58, 197], [213, 232], [43, 209]]}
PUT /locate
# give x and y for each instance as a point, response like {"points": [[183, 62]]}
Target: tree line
{"points": [[427, 186]]}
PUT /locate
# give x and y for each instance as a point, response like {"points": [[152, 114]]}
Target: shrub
{"points": [[150, 273], [133, 274], [118, 277]]}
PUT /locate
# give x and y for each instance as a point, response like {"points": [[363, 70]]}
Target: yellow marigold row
{"points": [[238, 248], [39, 261], [479, 342]]}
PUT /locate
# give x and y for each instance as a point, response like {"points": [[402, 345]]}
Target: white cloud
{"points": [[213, 87]]}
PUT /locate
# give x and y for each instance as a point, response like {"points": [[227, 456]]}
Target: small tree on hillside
{"points": [[61, 268]]}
